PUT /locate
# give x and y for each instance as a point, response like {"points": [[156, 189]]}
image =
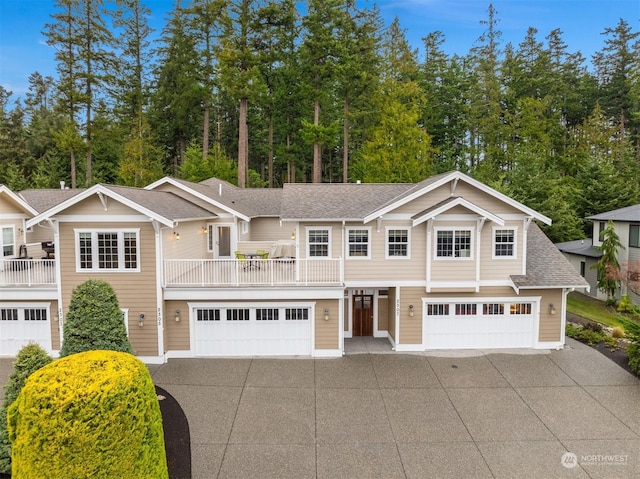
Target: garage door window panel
{"points": [[493, 309], [267, 314], [8, 314], [296, 314], [466, 309], [437, 310], [520, 308], [208, 315], [238, 314]]}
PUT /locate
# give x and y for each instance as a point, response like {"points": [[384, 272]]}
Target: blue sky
{"points": [[23, 49]]}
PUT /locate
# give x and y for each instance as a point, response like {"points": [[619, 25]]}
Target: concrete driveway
{"points": [[569, 413]]}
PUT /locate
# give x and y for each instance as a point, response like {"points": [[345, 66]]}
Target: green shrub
{"points": [[28, 360], [94, 320], [633, 353], [632, 332], [93, 414], [592, 326], [625, 305]]}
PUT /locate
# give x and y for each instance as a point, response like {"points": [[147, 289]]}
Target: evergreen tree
{"points": [[608, 266]]}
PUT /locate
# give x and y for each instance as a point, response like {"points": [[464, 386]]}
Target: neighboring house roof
{"points": [[336, 201], [582, 247], [164, 207], [629, 213], [546, 266], [16, 199]]}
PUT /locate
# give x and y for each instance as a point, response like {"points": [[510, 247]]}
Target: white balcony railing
{"points": [[252, 272], [27, 272]]}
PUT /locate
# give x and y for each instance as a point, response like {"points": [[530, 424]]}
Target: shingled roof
{"points": [[336, 201], [546, 266], [629, 213], [582, 247], [42, 200]]}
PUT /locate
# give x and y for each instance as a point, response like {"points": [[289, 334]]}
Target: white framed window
{"points": [[634, 236], [359, 243], [452, 243], [504, 243], [244, 227], [108, 250], [398, 243], [319, 242], [8, 241]]}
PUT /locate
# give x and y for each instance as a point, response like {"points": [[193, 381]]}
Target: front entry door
{"points": [[362, 315]]}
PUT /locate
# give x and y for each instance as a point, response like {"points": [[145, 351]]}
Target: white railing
{"points": [[27, 272], [252, 272]]}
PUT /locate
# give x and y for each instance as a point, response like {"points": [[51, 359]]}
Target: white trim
{"points": [[104, 219], [157, 233], [452, 204], [515, 242], [383, 284], [95, 250], [347, 243], [453, 176], [11, 227], [328, 229], [250, 294], [14, 216], [193, 192], [549, 345], [152, 359], [18, 199], [386, 242], [98, 189]]}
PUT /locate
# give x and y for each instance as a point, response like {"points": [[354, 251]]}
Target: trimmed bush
{"points": [[94, 320], [28, 360], [93, 414], [632, 332]]}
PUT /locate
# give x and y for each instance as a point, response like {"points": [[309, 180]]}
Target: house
{"points": [[209, 269], [584, 254]]}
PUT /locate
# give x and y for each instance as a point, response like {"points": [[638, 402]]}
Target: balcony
{"points": [[207, 273], [23, 272]]}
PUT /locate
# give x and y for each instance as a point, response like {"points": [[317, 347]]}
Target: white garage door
{"points": [[20, 326], [240, 331], [486, 324]]}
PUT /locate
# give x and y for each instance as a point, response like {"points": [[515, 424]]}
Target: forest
{"points": [[261, 93]]}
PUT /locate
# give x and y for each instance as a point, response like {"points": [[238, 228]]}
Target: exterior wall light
{"points": [[326, 314], [176, 235], [177, 316], [141, 320], [293, 236], [552, 309], [411, 310]]}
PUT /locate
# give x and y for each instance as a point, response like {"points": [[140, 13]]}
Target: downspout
{"points": [[563, 312], [56, 241]]}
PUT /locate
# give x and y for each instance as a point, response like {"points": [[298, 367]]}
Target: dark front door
{"points": [[362, 315]]}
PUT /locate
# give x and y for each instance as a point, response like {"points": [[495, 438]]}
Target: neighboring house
{"points": [[447, 263], [584, 254]]}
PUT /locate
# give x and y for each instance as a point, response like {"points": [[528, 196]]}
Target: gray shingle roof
{"points": [[546, 266], [164, 203], [42, 200], [629, 213], [582, 247], [326, 201]]}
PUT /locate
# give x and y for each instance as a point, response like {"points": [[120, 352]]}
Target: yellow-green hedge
{"points": [[93, 414]]}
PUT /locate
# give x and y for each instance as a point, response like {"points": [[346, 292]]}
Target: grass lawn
{"points": [[592, 309]]}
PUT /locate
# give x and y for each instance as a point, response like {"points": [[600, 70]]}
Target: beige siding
{"points": [[92, 206], [411, 327], [9, 207], [270, 229], [550, 324], [326, 332], [500, 268], [392, 313], [383, 314], [135, 291], [191, 245], [378, 268], [176, 333]]}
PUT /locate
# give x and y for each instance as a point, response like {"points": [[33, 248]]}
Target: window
{"points": [[437, 309], [493, 308], [634, 236], [504, 243], [466, 309], [208, 315], [601, 226], [358, 243], [318, 242], [35, 314], [453, 244], [107, 250], [8, 241], [520, 308], [583, 268], [238, 314], [267, 314], [8, 314], [296, 314], [398, 243]]}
